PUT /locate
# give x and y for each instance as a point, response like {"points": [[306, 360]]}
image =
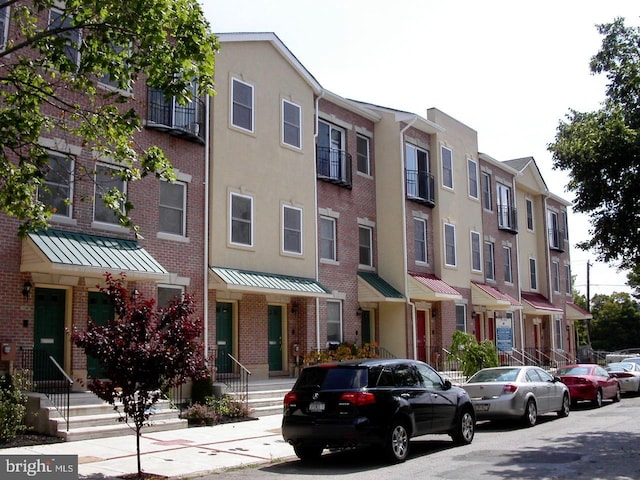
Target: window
{"points": [[59, 21], [529, 214], [567, 280], [107, 180], [489, 261], [334, 322], [366, 242], [105, 78], [554, 229], [242, 105], [461, 318], [328, 238], [558, 331], [241, 220], [555, 267], [505, 207], [420, 235], [476, 255], [167, 294], [450, 245], [472, 166], [291, 229], [418, 173], [291, 122], [173, 208], [533, 276], [447, 167], [58, 183], [486, 191], [508, 270], [565, 226], [362, 147], [4, 26]]}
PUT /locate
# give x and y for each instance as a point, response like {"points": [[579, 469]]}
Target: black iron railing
{"points": [[508, 218], [227, 369], [334, 166], [420, 186], [556, 239], [167, 114]]}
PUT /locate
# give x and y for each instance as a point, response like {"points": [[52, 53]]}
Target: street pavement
{"points": [[183, 453]]}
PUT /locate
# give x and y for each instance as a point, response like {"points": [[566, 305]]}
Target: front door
{"points": [[224, 336], [274, 348], [100, 312], [50, 305], [365, 326], [421, 336]]}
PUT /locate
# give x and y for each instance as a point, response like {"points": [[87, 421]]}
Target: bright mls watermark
{"points": [[43, 467]]}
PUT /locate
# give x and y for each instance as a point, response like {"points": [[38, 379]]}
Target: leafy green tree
{"points": [[473, 356], [616, 322], [143, 351], [633, 280], [600, 150], [49, 73]]}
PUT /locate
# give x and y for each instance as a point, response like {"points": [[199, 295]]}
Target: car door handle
{"points": [[405, 395]]}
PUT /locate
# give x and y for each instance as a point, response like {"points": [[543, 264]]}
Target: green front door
{"points": [[224, 336], [275, 338], [48, 330], [100, 311]]}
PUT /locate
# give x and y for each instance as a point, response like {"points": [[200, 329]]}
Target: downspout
{"points": [[207, 162], [405, 267], [315, 187], [521, 312], [547, 253]]}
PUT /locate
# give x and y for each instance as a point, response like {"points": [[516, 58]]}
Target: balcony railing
{"points": [[166, 114], [421, 187], [508, 218], [334, 166], [556, 239]]}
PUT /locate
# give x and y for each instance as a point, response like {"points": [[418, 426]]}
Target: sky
{"points": [[509, 69]]}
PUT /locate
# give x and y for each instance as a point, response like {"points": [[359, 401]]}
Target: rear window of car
{"points": [[333, 378], [500, 375]]}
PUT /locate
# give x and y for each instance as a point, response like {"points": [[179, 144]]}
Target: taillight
{"points": [[290, 398], [358, 399], [621, 375], [509, 388]]}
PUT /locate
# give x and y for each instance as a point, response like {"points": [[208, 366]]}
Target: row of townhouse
{"points": [[300, 220]]}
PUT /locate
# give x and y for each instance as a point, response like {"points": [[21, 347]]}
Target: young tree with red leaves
{"points": [[142, 351]]}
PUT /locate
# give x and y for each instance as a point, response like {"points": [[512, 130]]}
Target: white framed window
{"points": [[450, 255], [486, 191], [565, 226], [334, 322], [57, 191], [461, 317], [365, 235], [557, 330], [417, 168], [328, 238], [173, 208], [447, 167], [530, 224], [168, 294], [4, 26], [505, 206], [291, 124], [508, 269], [242, 101], [472, 168], [331, 153], [567, 279], [533, 274], [420, 239], [241, 216], [363, 155], [476, 254], [291, 229], [554, 229], [555, 272], [72, 36], [489, 261], [106, 179]]}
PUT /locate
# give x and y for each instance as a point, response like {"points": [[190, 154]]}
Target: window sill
{"points": [[173, 237], [109, 227]]}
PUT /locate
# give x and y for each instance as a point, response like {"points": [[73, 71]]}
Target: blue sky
{"points": [[511, 70]]}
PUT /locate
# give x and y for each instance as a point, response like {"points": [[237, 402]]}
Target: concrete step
{"points": [[119, 429]]}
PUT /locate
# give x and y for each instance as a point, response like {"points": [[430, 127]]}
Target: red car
{"points": [[589, 382]]}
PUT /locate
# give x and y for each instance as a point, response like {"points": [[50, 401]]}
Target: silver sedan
{"points": [[628, 375], [520, 392]]}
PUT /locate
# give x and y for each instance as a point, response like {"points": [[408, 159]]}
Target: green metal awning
{"points": [[71, 253], [373, 288], [233, 279]]}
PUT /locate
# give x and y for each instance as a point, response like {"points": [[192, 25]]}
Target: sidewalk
{"points": [[188, 452]]}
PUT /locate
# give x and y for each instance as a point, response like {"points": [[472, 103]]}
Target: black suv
{"points": [[380, 403]]}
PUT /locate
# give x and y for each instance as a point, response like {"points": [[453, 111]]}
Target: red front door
{"points": [[421, 336]]}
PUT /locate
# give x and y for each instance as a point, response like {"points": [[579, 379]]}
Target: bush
{"points": [[226, 406], [201, 389], [344, 351], [473, 356], [13, 406]]}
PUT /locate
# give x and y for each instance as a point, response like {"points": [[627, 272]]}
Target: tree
{"points": [[601, 150], [616, 322], [473, 356], [49, 73], [143, 351]]}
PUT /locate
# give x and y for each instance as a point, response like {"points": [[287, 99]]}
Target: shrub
{"points": [[13, 406], [226, 406], [473, 356], [201, 389]]}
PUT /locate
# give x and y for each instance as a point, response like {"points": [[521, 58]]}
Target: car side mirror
{"points": [[556, 379], [447, 384]]}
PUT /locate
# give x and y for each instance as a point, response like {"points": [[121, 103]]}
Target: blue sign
{"points": [[504, 333]]}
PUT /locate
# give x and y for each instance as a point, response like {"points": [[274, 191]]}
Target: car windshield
{"points": [[574, 371], [333, 378], [498, 375]]}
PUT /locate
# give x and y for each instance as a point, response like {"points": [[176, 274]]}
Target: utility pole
{"points": [[588, 306]]}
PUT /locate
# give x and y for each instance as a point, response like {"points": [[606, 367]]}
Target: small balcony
{"points": [[166, 114], [508, 218], [334, 166], [557, 239], [421, 187]]}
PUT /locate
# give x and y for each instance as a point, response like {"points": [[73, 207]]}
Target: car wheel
{"points": [[564, 410], [597, 402], [530, 413], [308, 453], [465, 428], [618, 396], [397, 442]]}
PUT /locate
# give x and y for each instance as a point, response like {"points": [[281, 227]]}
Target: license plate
{"points": [[316, 407], [481, 407]]}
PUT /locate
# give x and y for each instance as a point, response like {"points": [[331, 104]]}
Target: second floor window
{"points": [[505, 207], [333, 160], [363, 155], [242, 105], [476, 255], [489, 261], [472, 166], [418, 176], [328, 238], [420, 235], [486, 191], [71, 37], [533, 274], [187, 119], [173, 202], [366, 246], [291, 122], [447, 167], [291, 230], [508, 270], [106, 179], [4, 26], [58, 185], [529, 203], [567, 279], [555, 272], [555, 236], [241, 220], [450, 245]]}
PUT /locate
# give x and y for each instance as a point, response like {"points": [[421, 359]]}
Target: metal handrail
{"points": [[526, 357]]}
